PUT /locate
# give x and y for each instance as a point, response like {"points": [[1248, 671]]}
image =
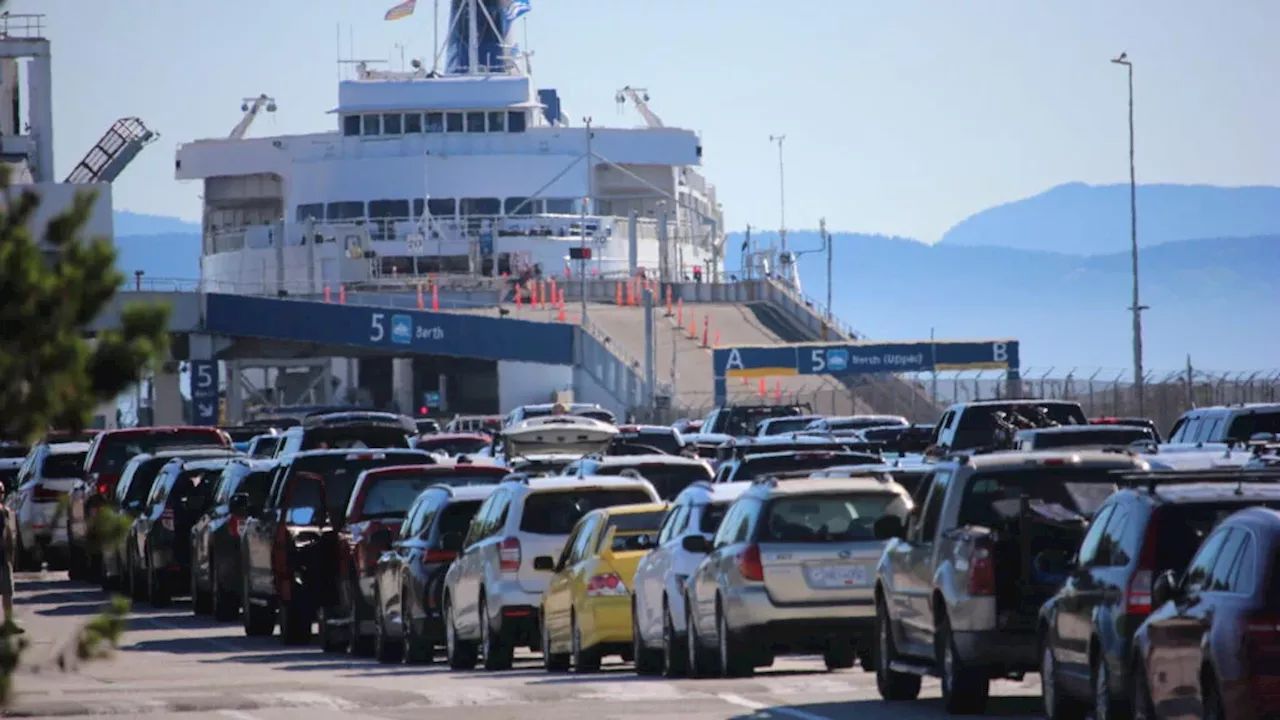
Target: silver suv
{"points": [[790, 570], [493, 589]]}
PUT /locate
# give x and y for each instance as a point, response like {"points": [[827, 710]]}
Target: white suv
{"points": [[493, 589], [657, 603]]}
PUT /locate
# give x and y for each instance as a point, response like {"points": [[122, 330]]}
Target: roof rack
{"points": [[520, 477], [441, 486], [1152, 479]]}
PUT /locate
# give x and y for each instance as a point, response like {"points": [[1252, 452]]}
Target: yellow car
{"points": [[586, 608]]}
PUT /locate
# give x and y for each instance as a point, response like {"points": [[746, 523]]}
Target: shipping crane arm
{"points": [[252, 107], [640, 98]]}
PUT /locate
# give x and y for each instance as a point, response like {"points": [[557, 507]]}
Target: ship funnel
{"points": [[491, 29]]}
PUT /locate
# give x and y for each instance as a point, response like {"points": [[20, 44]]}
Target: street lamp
{"points": [[782, 193], [1137, 306]]}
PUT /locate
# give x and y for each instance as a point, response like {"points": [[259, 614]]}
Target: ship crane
{"points": [[640, 98], [251, 107]]}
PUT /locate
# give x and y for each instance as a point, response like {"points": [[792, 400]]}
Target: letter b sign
{"points": [[1000, 352]]}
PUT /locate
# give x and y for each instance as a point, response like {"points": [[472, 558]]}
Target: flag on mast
{"points": [[401, 11], [516, 8]]}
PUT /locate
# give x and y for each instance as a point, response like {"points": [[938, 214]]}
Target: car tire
{"points": [[702, 663], [965, 690], [295, 623], [461, 653], [258, 621], [225, 604], [418, 649], [648, 662], [201, 601], [675, 656], [735, 659], [585, 660], [386, 650], [358, 645], [1056, 705], [552, 662], [1140, 693], [1105, 704], [498, 652], [1212, 707], [840, 654], [894, 686], [159, 588], [330, 641]]}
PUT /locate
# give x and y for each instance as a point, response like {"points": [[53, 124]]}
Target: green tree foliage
{"points": [[52, 286]]}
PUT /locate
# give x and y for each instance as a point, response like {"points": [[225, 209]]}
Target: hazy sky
{"points": [[902, 117]]}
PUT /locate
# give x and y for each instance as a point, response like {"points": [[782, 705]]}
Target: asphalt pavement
{"points": [[174, 665]]}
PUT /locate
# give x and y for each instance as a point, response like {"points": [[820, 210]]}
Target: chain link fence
{"points": [[1100, 391]]}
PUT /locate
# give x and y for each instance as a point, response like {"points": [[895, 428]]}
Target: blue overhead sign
{"points": [[401, 331], [203, 388], [855, 358]]}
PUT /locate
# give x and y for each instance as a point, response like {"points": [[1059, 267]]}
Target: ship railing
{"points": [[28, 26]]}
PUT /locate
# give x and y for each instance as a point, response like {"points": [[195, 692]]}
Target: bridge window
{"points": [[392, 124], [453, 122], [350, 125], [497, 121], [519, 206], [515, 121], [350, 210], [383, 214], [481, 206], [560, 206], [475, 122], [372, 125], [435, 122], [439, 207], [412, 123], [314, 211]]}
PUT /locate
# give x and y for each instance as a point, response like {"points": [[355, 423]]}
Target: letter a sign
{"points": [[734, 362]]}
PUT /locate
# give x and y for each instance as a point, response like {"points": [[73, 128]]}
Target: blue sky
{"points": [[901, 117]]}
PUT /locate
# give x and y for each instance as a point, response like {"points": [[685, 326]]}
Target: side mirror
{"points": [[544, 563], [381, 539], [1052, 563], [889, 527], [696, 544], [1164, 589], [451, 541], [239, 505]]}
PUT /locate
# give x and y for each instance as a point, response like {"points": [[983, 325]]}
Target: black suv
{"points": [[1153, 524]]}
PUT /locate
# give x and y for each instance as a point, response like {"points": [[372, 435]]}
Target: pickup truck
{"points": [[288, 548], [986, 424], [960, 584]]}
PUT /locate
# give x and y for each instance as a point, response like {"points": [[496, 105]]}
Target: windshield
{"points": [[116, 449], [760, 466], [456, 517], [828, 518], [354, 437], [453, 446], [556, 512], [390, 497], [1093, 435], [993, 497], [635, 531], [1247, 425], [857, 423], [63, 465], [1181, 527], [339, 473], [265, 447], [143, 477], [668, 479], [712, 515], [779, 427]]}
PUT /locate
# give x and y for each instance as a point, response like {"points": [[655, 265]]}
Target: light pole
{"points": [[782, 193], [1137, 307], [589, 200]]}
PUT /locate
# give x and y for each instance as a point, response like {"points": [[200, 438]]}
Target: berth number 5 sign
{"points": [[204, 392]]}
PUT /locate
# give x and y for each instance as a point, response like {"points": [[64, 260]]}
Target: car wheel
{"points": [[1105, 704], [552, 661], [1056, 705], [585, 660], [735, 659], [418, 649], [894, 686], [648, 662], [675, 656], [386, 650], [1140, 697], [964, 690], [461, 653]]}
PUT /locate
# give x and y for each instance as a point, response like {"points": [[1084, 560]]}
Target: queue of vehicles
{"points": [[1137, 577]]}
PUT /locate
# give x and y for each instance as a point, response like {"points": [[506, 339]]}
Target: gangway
{"points": [[118, 147]]}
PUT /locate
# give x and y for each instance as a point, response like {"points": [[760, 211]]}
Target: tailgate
{"points": [[830, 572], [531, 546]]}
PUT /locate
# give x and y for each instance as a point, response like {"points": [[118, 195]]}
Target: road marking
{"points": [[238, 715], [759, 706], [316, 701], [465, 696]]}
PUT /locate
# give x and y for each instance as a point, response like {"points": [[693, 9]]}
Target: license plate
{"points": [[837, 576]]}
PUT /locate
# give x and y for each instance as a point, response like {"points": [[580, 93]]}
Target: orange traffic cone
{"points": [[421, 305], [435, 296], [617, 294], [764, 389], [342, 294]]}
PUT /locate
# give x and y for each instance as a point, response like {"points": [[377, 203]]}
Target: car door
{"points": [[259, 537], [650, 578], [559, 593], [722, 561], [1071, 622], [471, 566], [912, 566]]}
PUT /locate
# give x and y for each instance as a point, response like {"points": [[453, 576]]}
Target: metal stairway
{"points": [[118, 147]]}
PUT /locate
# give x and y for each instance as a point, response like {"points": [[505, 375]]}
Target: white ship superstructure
{"points": [[473, 171]]}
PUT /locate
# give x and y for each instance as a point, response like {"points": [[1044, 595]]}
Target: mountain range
{"points": [[1053, 271]]}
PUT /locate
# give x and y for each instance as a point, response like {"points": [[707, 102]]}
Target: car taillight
{"points": [[606, 585], [439, 556], [509, 554], [233, 526], [749, 565], [982, 569], [1137, 598], [44, 494], [166, 519]]}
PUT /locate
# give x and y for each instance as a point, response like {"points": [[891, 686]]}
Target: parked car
{"points": [[45, 477]]}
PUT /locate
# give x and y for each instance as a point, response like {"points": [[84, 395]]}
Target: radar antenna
{"points": [[640, 98], [251, 107]]}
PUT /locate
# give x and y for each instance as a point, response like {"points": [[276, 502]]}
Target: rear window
{"points": [[864, 423], [390, 497], [256, 485], [340, 473], [1247, 425], [1181, 527], [712, 516], [63, 465], [665, 442], [828, 518], [556, 512], [540, 467], [9, 452], [354, 437], [669, 479], [991, 498], [780, 427], [115, 449], [144, 477], [452, 446], [1117, 435], [197, 484], [912, 481], [635, 531], [756, 467], [746, 420], [457, 516]]}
